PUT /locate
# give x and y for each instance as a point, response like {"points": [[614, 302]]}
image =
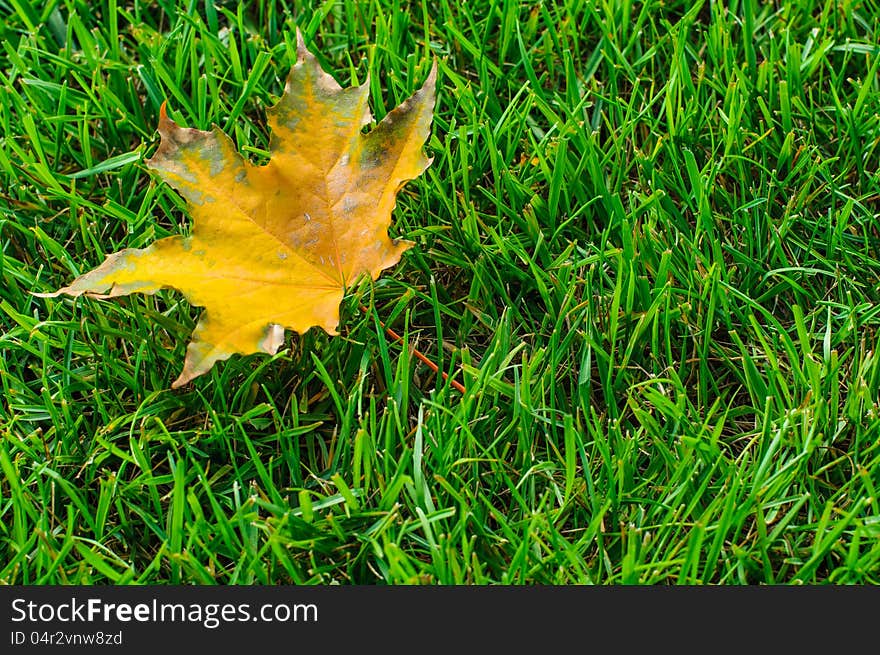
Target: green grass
{"points": [[648, 246]]}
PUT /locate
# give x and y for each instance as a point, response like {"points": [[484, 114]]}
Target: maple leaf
{"points": [[275, 246]]}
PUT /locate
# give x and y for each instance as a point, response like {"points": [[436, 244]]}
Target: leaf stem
{"points": [[415, 351]]}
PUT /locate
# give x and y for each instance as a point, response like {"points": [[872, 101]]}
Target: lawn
{"points": [[648, 248]]}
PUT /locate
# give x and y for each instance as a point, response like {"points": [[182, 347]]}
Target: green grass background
{"points": [[648, 246]]}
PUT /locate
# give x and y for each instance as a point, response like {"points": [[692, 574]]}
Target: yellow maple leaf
{"points": [[275, 246]]}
